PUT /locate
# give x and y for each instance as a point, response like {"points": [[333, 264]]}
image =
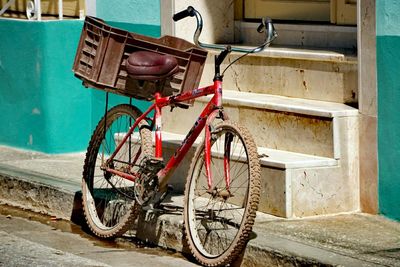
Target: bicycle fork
{"points": [[208, 155]]}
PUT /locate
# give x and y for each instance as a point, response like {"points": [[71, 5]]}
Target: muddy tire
{"points": [[218, 222]]}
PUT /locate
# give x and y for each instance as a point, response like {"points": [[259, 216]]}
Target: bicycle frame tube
{"points": [[157, 119], [213, 105], [128, 134], [160, 102]]}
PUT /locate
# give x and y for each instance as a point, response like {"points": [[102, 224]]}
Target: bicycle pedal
{"points": [[152, 164], [155, 161]]}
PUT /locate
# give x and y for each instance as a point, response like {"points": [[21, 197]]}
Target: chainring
{"points": [[145, 189], [146, 186]]}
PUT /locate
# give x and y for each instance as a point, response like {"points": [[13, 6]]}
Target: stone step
{"points": [[332, 37], [293, 184], [268, 157], [284, 123], [302, 73], [285, 104]]}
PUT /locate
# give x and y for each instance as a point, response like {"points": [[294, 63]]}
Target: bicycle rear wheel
{"points": [[218, 222], [108, 199]]}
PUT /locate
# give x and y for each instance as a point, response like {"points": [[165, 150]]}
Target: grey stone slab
{"points": [[17, 251]]}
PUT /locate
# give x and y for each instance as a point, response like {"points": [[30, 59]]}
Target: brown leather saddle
{"points": [[151, 66]]}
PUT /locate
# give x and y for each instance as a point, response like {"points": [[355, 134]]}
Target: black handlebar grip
{"points": [[184, 13]]}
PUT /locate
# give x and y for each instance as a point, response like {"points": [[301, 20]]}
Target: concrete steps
{"points": [[321, 179], [312, 148], [293, 184], [297, 98]]}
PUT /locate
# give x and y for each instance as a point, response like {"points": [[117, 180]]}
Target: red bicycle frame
{"points": [[209, 113]]}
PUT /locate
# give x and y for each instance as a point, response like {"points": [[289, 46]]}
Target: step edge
{"points": [[307, 162], [298, 54], [308, 107], [303, 27]]}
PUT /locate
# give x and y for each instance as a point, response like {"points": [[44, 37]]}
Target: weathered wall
{"points": [[43, 106], [130, 11]]}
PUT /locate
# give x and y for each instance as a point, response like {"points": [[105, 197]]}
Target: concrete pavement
{"points": [[50, 184], [17, 251], [29, 239]]}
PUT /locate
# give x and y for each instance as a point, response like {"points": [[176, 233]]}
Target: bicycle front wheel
{"points": [[108, 199], [219, 220]]}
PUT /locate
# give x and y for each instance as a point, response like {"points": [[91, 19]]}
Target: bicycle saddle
{"points": [[150, 66]]}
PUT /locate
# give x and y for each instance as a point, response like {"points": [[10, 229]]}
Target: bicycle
{"points": [[122, 173]]}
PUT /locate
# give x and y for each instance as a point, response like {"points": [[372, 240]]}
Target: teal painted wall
{"points": [[130, 11], [43, 107], [388, 62], [37, 87]]}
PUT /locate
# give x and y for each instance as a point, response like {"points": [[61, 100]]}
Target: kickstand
{"points": [[157, 204]]}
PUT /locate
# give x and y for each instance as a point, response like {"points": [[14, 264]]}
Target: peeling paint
{"points": [[30, 142], [35, 111]]}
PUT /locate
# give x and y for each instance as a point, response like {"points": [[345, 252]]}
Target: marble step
{"points": [[284, 123], [268, 157], [294, 72], [285, 104], [332, 37], [293, 184]]}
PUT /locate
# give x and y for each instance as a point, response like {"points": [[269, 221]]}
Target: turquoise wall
{"points": [[37, 87], [388, 62], [43, 107], [130, 11]]}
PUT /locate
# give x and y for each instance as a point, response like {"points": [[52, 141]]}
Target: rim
{"points": [[213, 221]]}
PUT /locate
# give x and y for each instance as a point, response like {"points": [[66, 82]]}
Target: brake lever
{"points": [[267, 26], [261, 28]]}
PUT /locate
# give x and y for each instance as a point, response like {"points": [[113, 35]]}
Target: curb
{"points": [[25, 190]]}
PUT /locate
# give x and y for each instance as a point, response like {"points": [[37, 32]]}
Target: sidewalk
{"points": [[51, 184]]}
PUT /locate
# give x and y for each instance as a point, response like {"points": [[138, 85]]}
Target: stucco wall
{"points": [[388, 62], [43, 107], [37, 87], [130, 11]]}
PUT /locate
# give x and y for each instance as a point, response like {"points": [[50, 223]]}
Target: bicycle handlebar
{"points": [[184, 13], [265, 26]]}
